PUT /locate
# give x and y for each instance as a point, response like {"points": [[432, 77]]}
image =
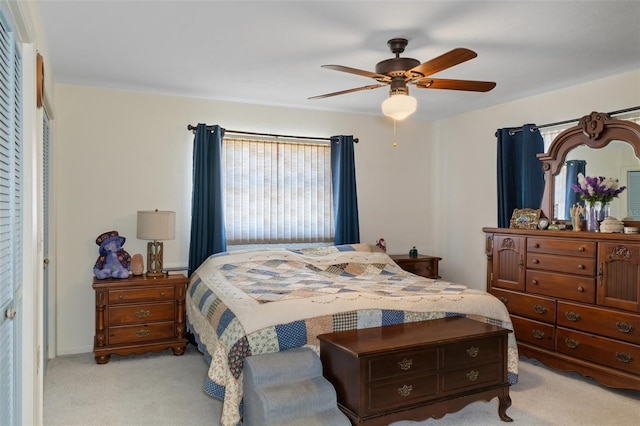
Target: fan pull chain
{"points": [[395, 143]]}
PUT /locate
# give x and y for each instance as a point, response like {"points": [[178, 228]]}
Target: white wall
{"points": [[464, 183], [119, 152]]}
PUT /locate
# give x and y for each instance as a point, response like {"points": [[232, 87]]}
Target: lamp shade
{"points": [[399, 106], [156, 225]]}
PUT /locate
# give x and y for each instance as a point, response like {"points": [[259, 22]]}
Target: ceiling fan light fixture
{"points": [[399, 106]]}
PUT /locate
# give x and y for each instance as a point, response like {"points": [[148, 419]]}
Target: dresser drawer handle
{"points": [[143, 313], [538, 334], [503, 299], [540, 309], [581, 248], [472, 375], [162, 293], [571, 343], [405, 364], [142, 333], [405, 390], [121, 296], [534, 282], [473, 351], [572, 316], [536, 261], [580, 289], [624, 327], [580, 266], [626, 358]]}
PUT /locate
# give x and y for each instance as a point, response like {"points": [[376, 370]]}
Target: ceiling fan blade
{"points": [[442, 62], [468, 85], [342, 92], [363, 73]]}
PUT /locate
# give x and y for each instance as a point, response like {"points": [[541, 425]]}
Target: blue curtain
{"points": [[345, 199], [207, 215], [520, 175], [573, 168]]}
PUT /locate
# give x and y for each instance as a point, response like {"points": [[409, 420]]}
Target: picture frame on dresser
{"points": [[573, 297]]}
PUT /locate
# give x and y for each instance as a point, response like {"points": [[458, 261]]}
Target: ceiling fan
{"points": [[399, 72]]}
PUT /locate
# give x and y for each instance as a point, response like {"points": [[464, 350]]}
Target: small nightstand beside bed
{"points": [[252, 302]]}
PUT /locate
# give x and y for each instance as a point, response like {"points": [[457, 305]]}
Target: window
{"points": [[277, 192]]}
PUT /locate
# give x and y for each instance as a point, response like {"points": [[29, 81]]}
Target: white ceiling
{"points": [[267, 52]]}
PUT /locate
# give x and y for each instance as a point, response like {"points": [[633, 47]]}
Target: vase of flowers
{"points": [[597, 193]]}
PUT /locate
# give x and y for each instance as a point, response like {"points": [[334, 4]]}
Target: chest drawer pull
{"points": [[624, 327], [405, 364], [540, 309], [538, 334], [473, 351], [571, 343], [572, 316], [142, 333], [405, 390], [472, 375], [624, 357], [143, 313]]}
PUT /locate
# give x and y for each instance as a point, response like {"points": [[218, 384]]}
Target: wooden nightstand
{"points": [[139, 314], [423, 265]]}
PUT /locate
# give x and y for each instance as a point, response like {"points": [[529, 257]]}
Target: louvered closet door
{"points": [[10, 226]]}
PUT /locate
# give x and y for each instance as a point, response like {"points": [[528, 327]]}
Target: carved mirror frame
{"points": [[595, 130]]}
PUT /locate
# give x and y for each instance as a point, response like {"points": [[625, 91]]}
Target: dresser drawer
{"points": [[141, 332], [471, 352], [126, 314], [527, 305], [602, 321], [565, 264], [613, 353], [580, 289], [406, 391], [534, 332], [470, 377], [149, 294], [410, 362], [562, 247]]}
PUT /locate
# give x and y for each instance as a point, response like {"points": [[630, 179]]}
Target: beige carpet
{"points": [[162, 389]]}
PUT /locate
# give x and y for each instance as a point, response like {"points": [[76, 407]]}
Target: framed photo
{"points": [[525, 218]]}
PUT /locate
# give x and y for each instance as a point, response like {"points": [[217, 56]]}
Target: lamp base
{"points": [[154, 259]]}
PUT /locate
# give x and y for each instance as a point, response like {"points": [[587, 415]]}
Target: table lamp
{"points": [[156, 226]]}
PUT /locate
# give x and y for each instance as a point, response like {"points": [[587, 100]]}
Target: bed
{"points": [[251, 302]]}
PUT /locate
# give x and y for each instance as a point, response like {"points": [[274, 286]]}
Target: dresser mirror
{"points": [[616, 159], [610, 148]]}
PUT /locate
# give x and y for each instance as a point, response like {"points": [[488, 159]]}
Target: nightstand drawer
{"points": [[402, 363], [471, 352], [472, 377], [402, 392], [141, 332], [151, 294], [119, 315]]}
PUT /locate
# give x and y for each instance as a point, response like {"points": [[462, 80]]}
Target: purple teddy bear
{"points": [[114, 261]]}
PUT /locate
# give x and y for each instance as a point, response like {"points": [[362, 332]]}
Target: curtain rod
{"points": [[557, 123], [273, 135]]}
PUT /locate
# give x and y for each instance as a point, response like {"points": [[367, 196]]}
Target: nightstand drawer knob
{"points": [[142, 333], [472, 375], [473, 351], [405, 364], [162, 293], [405, 390], [121, 296], [143, 313]]}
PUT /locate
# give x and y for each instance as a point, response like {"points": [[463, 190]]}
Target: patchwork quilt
{"points": [[252, 302]]}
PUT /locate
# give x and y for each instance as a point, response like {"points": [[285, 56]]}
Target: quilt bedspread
{"points": [[252, 302]]}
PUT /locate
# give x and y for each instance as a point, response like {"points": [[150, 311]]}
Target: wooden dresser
{"points": [[574, 299], [139, 314], [414, 371]]}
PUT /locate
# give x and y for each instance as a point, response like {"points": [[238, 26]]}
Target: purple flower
{"points": [[597, 188]]}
